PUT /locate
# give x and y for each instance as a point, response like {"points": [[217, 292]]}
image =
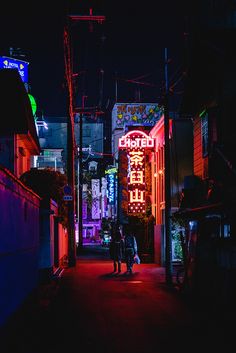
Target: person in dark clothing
{"points": [[117, 248], [131, 250]]}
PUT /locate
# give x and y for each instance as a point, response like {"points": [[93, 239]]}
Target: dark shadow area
{"points": [[123, 276], [93, 252]]}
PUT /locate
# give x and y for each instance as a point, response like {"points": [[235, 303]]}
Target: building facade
{"points": [[19, 205], [208, 202]]}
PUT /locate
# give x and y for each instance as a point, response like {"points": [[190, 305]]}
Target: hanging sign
{"points": [[135, 143], [21, 66]]}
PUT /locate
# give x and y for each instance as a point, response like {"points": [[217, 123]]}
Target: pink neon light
{"points": [[135, 142], [140, 141]]}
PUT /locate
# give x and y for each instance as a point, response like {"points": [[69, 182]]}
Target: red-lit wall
{"points": [[19, 243]]}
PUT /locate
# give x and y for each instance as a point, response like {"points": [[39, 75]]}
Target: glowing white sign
{"points": [[131, 140], [95, 183]]}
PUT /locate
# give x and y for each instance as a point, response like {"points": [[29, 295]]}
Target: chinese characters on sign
{"points": [[135, 142]]}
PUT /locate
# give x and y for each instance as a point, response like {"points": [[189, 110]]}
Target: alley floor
{"points": [[88, 309]]}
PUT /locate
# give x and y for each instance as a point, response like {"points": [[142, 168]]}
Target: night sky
{"points": [[129, 45]]}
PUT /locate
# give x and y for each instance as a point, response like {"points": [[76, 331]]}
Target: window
{"points": [[40, 131], [226, 231], [48, 132]]}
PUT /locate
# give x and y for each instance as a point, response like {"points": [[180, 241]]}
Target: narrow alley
{"points": [[89, 309]]}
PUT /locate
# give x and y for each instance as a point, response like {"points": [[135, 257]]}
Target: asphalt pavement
{"points": [[89, 309]]}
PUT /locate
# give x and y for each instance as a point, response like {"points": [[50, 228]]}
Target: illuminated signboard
{"points": [[136, 114], [136, 139], [95, 184], [111, 170], [111, 185], [21, 66], [135, 143]]}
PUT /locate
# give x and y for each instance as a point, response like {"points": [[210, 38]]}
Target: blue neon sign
{"points": [[21, 66], [111, 188]]}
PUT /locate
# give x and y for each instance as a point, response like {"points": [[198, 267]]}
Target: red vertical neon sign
{"points": [[135, 143]]}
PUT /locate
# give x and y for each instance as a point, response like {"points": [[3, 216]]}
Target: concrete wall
{"points": [[48, 212], [19, 243]]}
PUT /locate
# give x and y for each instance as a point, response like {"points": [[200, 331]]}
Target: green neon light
{"points": [[202, 113], [33, 104], [111, 171]]}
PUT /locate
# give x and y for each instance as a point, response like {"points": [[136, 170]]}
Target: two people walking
{"points": [[123, 247]]}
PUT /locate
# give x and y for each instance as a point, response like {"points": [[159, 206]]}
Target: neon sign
{"points": [[111, 170], [136, 142], [111, 188], [111, 175], [21, 66], [143, 141]]}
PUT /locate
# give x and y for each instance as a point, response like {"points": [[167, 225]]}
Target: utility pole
{"points": [[90, 19], [168, 240], [89, 111], [80, 179], [70, 151], [80, 176]]}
